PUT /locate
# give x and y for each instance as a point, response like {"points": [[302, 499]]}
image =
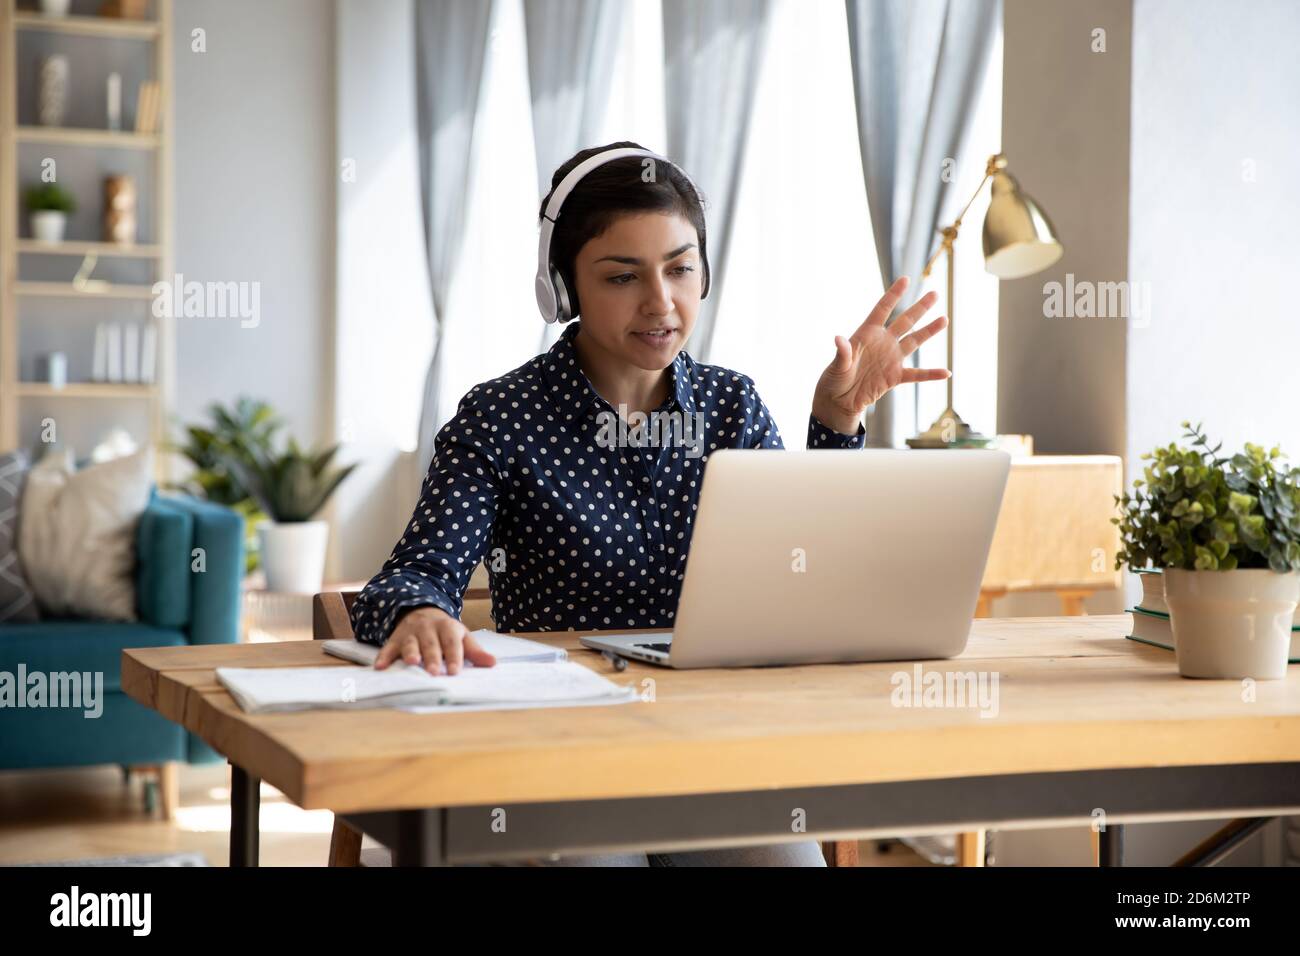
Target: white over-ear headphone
{"points": [[553, 297]]}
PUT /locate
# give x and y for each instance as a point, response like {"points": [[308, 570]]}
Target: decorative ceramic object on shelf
{"points": [[113, 101], [52, 368], [52, 90], [119, 209], [55, 8]]}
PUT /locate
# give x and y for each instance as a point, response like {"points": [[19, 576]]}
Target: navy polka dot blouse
{"points": [[578, 532]]}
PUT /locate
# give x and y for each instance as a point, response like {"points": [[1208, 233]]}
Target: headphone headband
{"points": [[553, 298]]}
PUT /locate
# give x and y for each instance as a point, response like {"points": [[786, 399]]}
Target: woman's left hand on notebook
{"points": [[872, 360]]}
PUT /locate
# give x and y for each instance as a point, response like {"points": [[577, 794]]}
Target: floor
{"points": [[88, 813], [47, 816]]}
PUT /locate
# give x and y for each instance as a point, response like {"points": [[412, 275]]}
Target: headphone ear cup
{"points": [[565, 312]]}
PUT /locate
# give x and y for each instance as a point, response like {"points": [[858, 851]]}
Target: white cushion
{"points": [[77, 534]]}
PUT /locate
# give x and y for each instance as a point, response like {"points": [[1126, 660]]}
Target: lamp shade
{"points": [[1018, 237]]}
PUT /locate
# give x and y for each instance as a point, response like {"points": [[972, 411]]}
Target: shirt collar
{"points": [[572, 392]]}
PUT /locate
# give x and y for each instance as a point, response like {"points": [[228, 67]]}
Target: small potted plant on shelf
{"points": [[49, 205], [291, 487], [1226, 532]]}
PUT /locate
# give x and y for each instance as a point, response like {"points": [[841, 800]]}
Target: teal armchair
{"points": [[190, 565]]}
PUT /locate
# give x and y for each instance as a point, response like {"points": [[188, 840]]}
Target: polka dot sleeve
{"points": [[447, 535], [819, 436]]}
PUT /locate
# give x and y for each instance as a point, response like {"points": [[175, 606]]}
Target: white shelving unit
{"points": [[19, 166]]}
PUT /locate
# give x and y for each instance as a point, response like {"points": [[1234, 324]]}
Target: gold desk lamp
{"points": [[1018, 241]]}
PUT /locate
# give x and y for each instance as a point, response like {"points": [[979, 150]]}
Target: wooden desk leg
{"points": [[840, 852], [970, 848], [1072, 601], [345, 845], [245, 798], [984, 607], [169, 788]]}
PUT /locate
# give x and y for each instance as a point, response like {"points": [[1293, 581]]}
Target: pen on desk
{"points": [[620, 663]]}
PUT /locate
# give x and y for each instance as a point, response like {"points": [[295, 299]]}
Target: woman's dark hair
{"points": [[609, 191]]}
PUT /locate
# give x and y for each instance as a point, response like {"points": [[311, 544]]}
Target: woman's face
{"points": [[642, 275]]}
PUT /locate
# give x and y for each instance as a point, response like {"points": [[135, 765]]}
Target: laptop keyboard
{"points": [[662, 648]]}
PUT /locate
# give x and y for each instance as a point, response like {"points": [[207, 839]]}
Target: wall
{"points": [[1216, 135], [1065, 133], [254, 203]]}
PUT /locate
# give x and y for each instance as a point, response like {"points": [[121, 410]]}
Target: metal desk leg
{"points": [[244, 809], [1111, 845], [419, 839], [1214, 848]]}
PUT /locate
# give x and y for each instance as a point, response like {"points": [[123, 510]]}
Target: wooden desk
{"points": [[1085, 721]]}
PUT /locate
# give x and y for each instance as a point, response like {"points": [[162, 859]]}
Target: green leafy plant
{"points": [[1195, 511], [292, 485], [50, 197], [237, 432]]}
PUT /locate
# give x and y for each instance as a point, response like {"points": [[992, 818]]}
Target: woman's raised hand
{"points": [[871, 361]]}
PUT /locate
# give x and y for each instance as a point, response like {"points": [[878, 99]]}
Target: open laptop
{"points": [[818, 556]]}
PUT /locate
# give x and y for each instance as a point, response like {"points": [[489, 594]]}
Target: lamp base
{"points": [[949, 431]]}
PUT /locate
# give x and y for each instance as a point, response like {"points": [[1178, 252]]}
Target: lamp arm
{"points": [[995, 163]]}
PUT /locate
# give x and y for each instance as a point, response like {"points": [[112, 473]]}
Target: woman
{"points": [[582, 532]]}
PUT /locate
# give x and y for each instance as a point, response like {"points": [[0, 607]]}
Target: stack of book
{"points": [[125, 352], [147, 106], [1151, 617]]}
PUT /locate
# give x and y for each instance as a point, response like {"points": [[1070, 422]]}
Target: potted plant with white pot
{"points": [[1226, 532], [49, 206], [291, 487]]}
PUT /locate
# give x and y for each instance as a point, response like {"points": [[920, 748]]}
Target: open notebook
{"points": [[527, 674]]}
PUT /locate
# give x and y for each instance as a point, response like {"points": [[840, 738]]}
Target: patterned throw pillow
{"points": [[17, 603], [77, 534]]}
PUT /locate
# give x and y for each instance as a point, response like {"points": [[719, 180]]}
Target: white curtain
{"points": [[917, 67], [571, 49], [712, 53], [450, 46]]}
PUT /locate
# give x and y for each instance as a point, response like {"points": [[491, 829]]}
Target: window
{"points": [[801, 267], [493, 321], [495, 324], [802, 264]]}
